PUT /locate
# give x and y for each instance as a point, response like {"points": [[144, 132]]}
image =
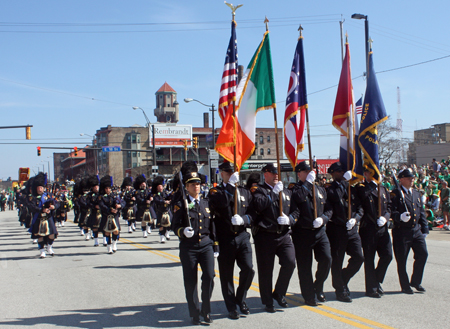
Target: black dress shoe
{"points": [[418, 287], [196, 321], [321, 297], [343, 297], [234, 315], [311, 302], [373, 294], [270, 309], [380, 290], [207, 317], [408, 291], [244, 308], [280, 299]]}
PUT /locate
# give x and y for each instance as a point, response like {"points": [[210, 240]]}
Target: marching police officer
{"points": [[194, 227], [409, 232], [374, 233], [308, 234], [342, 231], [161, 203], [271, 233], [234, 240]]}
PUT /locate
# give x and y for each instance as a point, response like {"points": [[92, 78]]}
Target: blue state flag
{"points": [[373, 113]]}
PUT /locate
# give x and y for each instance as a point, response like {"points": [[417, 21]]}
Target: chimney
{"points": [[206, 120]]}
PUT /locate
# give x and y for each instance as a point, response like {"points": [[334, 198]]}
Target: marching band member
{"points": [[161, 202], [43, 208], [129, 210], [94, 214], [109, 205], [145, 213], [195, 228]]}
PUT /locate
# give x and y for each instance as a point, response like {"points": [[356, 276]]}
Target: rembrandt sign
{"points": [[169, 135]]}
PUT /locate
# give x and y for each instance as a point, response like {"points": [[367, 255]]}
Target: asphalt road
{"points": [[141, 286]]}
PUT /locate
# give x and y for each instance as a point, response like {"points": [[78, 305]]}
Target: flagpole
{"points": [[233, 15], [350, 117], [266, 21], [309, 146]]}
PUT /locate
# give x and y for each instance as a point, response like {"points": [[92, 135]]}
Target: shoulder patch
{"points": [[176, 208], [392, 194], [253, 188], [213, 191]]}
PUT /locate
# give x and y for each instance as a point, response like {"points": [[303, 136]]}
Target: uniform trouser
{"points": [[405, 239], [375, 241], [192, 254], [237, 250], [267, 245], [305, 241], [343, 241]]}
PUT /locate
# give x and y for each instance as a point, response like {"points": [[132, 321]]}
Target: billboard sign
{"points": [[171, 135]]}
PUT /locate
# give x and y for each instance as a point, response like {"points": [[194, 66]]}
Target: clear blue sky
{"points": [[71, 67]]}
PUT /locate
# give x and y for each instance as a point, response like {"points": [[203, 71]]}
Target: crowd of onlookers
{"points": [[6, 201], [432, 181]]}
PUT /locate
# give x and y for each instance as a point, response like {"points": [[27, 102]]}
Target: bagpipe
{"points": [[147, 216], [44, 228], [111, 225]]}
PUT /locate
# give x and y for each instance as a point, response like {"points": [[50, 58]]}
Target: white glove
{"points": [[348, 175], [237, 220], [278, 187], [216, 254], [425, 235], [188, 232], [351, 222], [405, 217], [311, 177], [283, 220], [381, 221], [318, 221], [234, 179]]}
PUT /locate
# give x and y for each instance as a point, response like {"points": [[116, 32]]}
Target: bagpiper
{"points": [[129, 210], [161, 203]]}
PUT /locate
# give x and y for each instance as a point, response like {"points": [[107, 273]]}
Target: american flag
{"points": [[229, 76], [296, 105], [358, 106]]}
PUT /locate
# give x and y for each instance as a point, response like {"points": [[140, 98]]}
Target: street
{"points": [[141, 286]]}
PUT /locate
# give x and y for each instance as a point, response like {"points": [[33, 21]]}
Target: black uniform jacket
{"points": [[337, 202], [221, 202], [302, 209], [199, 219], [266, 205], [367, 196], [414, 206]]}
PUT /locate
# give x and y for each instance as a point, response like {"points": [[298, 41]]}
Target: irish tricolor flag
{"points": [[255, 92]]}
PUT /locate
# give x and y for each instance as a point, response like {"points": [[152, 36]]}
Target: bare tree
{"points": [[388, 143]]}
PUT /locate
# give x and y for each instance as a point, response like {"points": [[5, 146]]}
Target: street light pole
{"points": [[187, 100], [366, 32], [153, 132]]}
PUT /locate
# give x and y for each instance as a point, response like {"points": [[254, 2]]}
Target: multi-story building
{"points": [[430, 143]]}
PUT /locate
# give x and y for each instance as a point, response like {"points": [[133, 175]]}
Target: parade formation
{"points": [[221, 226]]}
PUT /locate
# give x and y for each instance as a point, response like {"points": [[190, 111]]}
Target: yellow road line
{"points": [[322, 309]]}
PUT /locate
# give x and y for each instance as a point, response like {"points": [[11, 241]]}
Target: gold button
{"points": [[200, 214], [200, 227], [199, 240], [200, 220]]}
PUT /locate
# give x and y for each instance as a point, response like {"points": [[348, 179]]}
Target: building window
{"points": [[138, 138], [261, 151], [133, 138], [268, 151], [261, 139], [129, 154], [268, 139], [134, 154]]}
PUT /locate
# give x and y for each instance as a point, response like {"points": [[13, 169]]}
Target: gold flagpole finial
{"points": [[233, 8], [370, 41], [300, 29], [346, 37], [266, 21]]}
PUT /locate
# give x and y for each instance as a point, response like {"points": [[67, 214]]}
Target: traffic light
{"points": [[75, 150], [195, 140], [185, 145], [28, 132], [39, 151]]}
